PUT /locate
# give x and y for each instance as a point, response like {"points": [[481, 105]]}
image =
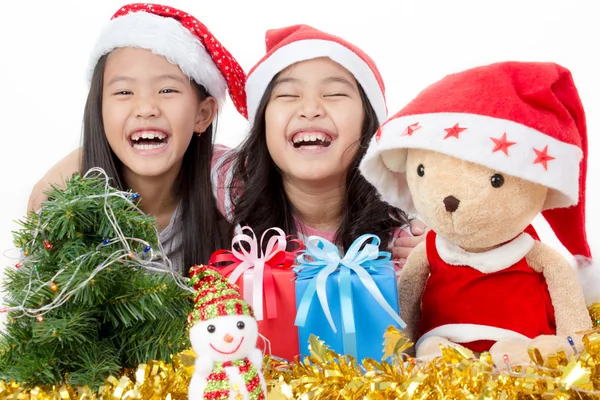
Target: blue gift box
{"points": [[348, 302]]}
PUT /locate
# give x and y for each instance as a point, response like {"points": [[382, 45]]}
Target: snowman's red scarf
{"points": [[218, 385]]}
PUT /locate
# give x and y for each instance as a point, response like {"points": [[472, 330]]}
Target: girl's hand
{"points": [[405, 242]]}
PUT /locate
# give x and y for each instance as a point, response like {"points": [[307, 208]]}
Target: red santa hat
{"points": [[181, 39], [292, 44], [524, 119]]}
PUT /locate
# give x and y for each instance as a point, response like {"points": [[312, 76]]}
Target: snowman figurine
{"points": [[223, 334]]}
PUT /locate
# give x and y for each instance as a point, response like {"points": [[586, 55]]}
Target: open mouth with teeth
{"points": [[148, 140], [313, 139]]}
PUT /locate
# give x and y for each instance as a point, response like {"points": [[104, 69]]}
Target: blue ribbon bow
{"points": [[322, 258]]}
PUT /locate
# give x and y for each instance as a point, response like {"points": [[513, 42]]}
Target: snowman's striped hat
{"points": [[215, 296]]}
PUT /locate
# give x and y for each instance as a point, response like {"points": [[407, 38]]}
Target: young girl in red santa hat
{"points": [[157, 78], [314, 103]]}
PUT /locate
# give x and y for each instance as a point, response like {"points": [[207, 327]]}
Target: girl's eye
{"points": [[336, 95], [286, 95], [123, 93], [167, 91]]}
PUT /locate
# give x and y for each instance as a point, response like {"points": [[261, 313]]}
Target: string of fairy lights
{"points": [[150, 259]]}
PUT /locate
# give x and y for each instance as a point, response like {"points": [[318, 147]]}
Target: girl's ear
{"points": [[207, 111]]}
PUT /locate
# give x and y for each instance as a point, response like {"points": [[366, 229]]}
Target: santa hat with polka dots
{"points": [[181, 39], [292, 44], [521, 118], [215, 296]]}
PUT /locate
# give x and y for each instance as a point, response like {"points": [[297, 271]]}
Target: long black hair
{"points": [[261, 201], [201, 226]]}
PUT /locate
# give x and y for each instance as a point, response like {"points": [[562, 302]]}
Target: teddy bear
{"points": [[478, 155]]}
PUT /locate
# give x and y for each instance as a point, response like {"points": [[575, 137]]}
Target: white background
{"points": [[44, 47]]}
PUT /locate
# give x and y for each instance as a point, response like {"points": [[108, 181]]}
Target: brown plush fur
{"points": [[486, 218]]}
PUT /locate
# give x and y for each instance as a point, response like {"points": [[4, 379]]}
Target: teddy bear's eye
{"points": [[497, 180], [421, 170], [211, 329]]}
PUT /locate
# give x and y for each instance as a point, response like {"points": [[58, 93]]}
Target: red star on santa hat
{"points": [[502, 144], [411, 129], [542, 157], [454, 131]]}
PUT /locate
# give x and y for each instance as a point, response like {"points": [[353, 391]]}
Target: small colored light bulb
{"points": [[47, 245], [39, 318], [54, 286]]}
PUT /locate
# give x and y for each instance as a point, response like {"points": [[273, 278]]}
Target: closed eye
{"points": [[286, 95], [336, 95]]}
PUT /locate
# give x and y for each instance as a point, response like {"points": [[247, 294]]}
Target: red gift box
{"points": [[267, 282]]}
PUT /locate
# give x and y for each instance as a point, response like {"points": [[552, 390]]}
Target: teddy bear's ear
{"points": [[395, 160]]}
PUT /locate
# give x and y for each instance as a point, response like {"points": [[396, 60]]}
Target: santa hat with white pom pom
{"points": [[521, 118]]}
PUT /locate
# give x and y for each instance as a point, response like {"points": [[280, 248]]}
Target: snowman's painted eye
{"points": [[241, 325], [211, 329]]}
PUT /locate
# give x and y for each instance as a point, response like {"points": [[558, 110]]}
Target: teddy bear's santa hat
{"points": [[524, 119]]}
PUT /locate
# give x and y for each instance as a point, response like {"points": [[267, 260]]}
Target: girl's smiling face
{"points": [[314, 120], [150, 110]]}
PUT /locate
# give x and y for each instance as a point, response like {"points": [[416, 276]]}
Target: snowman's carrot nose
{"points": [[228, 338]]}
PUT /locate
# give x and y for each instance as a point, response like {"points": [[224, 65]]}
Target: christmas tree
{"points": [[92, 294]]}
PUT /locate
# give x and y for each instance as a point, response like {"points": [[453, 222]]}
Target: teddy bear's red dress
{"points": [[481, 298]]}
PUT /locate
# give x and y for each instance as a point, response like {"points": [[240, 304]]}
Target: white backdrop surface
{"points": [[44, 48]]}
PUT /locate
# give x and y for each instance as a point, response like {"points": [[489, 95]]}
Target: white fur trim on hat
{"points": [[307, 50], [467, 333], [166, 37], [384, 165]]}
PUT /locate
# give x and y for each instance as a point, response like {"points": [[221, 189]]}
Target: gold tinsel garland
{"points": [[327, 375], [154, 380]]}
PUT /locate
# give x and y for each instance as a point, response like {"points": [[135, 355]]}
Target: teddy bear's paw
{"points": [[551, 344], [430, 347], [513, 351]]}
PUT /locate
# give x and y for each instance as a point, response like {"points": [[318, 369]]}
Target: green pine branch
{"points": [[122, 316]]}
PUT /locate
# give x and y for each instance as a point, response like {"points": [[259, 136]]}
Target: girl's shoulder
{"points": [[221, 153], [222, 177]]}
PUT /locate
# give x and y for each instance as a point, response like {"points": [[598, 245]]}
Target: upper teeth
{"points": [[148, 135], [310, 137]]}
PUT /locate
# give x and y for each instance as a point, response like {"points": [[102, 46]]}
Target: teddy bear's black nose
{"points": [[451, 203]]}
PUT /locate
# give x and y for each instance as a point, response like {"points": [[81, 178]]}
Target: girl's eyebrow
{"points": [[329, 79], [339, 79], [122, 78], [286, 80], [170, 76]]}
